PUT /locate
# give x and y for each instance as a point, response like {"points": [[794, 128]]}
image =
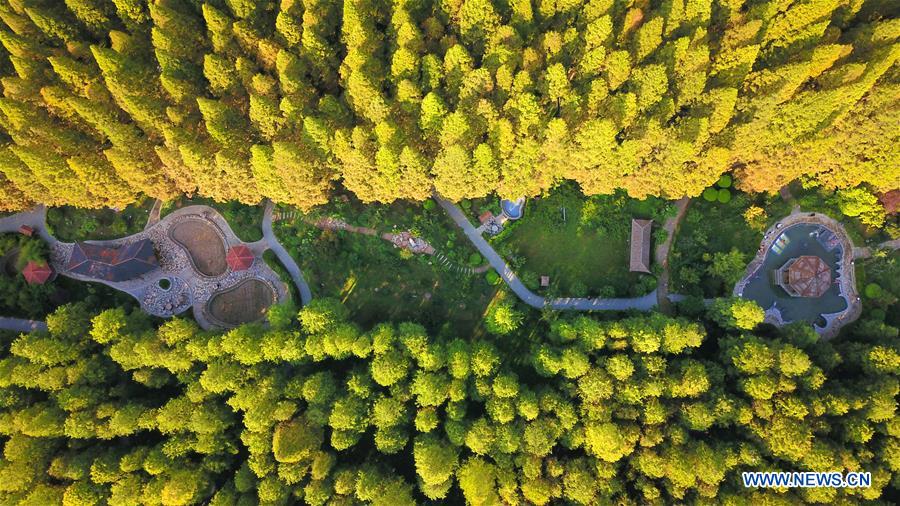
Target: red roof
{"points": [[809, 276], [37, 274], [239, 258]]}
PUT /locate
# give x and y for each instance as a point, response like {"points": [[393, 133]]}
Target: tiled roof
{"points": [[37, 273], [239, 258], [640, 245], [113, 264], [809, 276]]}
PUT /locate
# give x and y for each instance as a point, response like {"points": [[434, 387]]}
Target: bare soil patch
{"points": [[203, 244], [243, 303]]}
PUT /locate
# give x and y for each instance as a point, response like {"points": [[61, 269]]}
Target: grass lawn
{"points": [[585, 254], [245, 220], [70, 224], [378, 282]]}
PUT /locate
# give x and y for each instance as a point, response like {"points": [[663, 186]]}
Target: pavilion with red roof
{"points": [[37, 273], [239, 258]]}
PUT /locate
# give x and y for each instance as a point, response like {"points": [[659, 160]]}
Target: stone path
{"points": [[283, 256], [20, 325], [645, 303], [662, 255]]}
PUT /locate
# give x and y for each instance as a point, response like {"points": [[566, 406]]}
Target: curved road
{"points": [[283, 256], [35, 218], [645, 303]]}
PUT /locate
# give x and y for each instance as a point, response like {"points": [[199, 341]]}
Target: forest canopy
{"points": [[108, 408], [104, 100]]}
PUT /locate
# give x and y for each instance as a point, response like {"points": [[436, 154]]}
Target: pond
{"points": [[513, 209], [798, 240]]}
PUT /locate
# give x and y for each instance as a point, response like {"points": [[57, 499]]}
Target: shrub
{"points": [[724, 196], [492, 277], [724, 181], [873, 291], [710, 194], [428, 205], [475, 259]]}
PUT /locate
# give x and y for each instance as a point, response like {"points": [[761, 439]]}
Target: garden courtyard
{"points": [[581, 243]]}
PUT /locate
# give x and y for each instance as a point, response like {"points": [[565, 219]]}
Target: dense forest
{"points": [[113, 103], [104, 100], [645, 410]]}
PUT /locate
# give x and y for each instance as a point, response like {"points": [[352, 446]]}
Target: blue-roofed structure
{"points": [[113, 263]]}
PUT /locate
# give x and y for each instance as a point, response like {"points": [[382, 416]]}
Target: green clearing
{"points": [[378, 282], [710, 230], [71, 224], [585, 252]]}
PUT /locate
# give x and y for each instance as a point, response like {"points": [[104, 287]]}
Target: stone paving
{"points": [[188, 288]]}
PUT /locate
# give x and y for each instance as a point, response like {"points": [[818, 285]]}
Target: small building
{"points": [[545, 281], [804, 276], [239, 258], [26, 230], [37, 273], [486, 217], [640, 245], [113, 263]]}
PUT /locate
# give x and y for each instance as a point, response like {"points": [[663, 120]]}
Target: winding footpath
{"points": [[866, 252], [35, 218], [662, 255], [644, 303], [283, 256]]}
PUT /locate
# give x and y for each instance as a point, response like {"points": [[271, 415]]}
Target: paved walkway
{"points": [[662, 255], [153, 216], [645, 303], [866, 252], [35, 218], [20, 325], [283, 256]]}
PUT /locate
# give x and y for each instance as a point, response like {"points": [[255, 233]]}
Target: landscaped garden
{"points": [[720, 235], [374, 279], [70, 224], [245, 302], [581, 243]]}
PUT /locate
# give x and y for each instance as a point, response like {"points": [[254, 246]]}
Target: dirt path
{"points": [[662, 255], [153, 217], [866, 252]]}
